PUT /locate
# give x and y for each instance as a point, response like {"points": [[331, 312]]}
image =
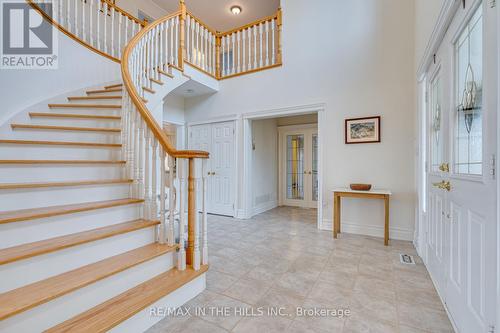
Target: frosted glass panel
{"points": [[315, 167], [436, 99], [469, 69], [295, 167]]}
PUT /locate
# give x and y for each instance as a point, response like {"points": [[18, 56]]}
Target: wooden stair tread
{"points": [[12, 186], [61, 143], [45, 246], [27, 297], [161, 71], [100, 91], [113, 86], [109, 314], [156, 81], [87, 106], [62, 162], [42, 212], [73, 115], [66, 128], [90, 98], [149, 90]]}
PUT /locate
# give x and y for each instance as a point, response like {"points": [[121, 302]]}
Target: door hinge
{"points": [[493, 166], [493, 3], [491, 329]]}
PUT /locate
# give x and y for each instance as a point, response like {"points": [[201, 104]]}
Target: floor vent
{"points": [[406, 259]]}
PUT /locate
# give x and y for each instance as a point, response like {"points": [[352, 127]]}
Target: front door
{"points": [[218, 140], [299, 166], [461, 234]]}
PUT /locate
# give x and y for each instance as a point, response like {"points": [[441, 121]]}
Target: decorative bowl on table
{"points": [[360, 187]]}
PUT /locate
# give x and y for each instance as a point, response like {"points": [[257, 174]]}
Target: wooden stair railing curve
{"points": [[99, 25]]}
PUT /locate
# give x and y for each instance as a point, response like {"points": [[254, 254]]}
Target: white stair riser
{"points": [[97, 112], [23, 272], [65, 307], [16, 233], [42, 152], [42, 197], [79, 122], [144, 320], [35, 172], [60, 135], [113, 101]]}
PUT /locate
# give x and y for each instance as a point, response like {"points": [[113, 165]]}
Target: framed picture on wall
{"points": [[362, 130]]}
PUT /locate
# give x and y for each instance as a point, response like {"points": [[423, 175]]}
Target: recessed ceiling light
{"points": [[236, 10], [190, 91]]}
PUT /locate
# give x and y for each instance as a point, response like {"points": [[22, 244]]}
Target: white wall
{"points": [[173, 109], [79, 67], [426, 15], [357, 57], [265, 165], [146, 6]]}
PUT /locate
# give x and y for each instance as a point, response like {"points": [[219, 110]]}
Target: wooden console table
{"points": [[338, 193]]}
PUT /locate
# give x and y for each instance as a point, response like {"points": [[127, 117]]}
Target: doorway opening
{"points": [[282, 161]]}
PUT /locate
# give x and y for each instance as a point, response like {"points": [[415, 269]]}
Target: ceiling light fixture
{"points": [[236, 10]]}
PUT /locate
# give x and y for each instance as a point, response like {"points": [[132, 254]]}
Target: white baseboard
{"points": [[241, 214], [370, 230], [264, 207]]}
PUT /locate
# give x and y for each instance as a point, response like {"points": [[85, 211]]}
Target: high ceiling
{"points": [[216, 13]]}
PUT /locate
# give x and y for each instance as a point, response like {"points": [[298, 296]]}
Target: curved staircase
{"points": [[76, 253]]}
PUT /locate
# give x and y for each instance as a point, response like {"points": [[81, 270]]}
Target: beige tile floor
{"points": [[279, 259]]}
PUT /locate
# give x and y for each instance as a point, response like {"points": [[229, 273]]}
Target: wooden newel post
{"points": [[218, 40], [279, 23], [182, 34], [191, 212]]}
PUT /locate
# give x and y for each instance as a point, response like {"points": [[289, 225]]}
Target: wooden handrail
{"points": [[69, 34], [251, 24], [141, 106]]}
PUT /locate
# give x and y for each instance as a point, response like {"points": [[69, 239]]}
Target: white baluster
{"points": [[176, 41], [112, 28], [105, 27], [233, 47], [98, 24], [147, 174], [261, 48], [172, 195], [188, 35], [249, 48], [198, 51], [162, 234], [196, 251], [137, 192], [243, 48], [120, 32], [181, 261], [267, 43], [254, 29], [84, 29], [154, 181], [238, 47], [91, 25], [75, 18], [273, 37], [68, 15], [171, 42], [161, 46], [204, 249], [223, 46], [130, 143], [125, 37]]}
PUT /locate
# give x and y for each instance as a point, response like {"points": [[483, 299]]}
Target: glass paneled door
{"points": [[461, 188], [299, 166]]}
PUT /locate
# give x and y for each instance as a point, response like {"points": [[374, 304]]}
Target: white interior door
{"points": [[299, 166], [461, 237], [218, 140]]}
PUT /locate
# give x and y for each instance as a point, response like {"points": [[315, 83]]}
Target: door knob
{"points": [[444, 167], [310, 172]]}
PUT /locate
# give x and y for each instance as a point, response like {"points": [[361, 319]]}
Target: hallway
{"points": [[279, 259]]}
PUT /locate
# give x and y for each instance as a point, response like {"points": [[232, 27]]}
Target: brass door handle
{"points": [[444, 167], [443, 185]]}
